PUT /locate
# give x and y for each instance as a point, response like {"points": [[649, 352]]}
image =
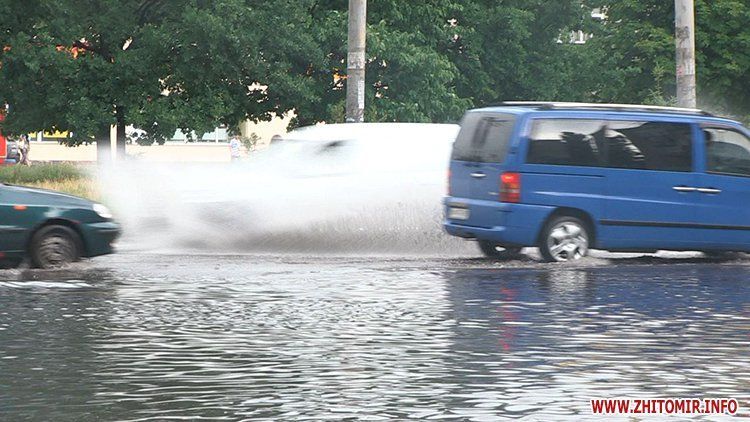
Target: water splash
{"points": [[356, 188]]}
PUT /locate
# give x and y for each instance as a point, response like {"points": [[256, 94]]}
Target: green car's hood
{"points": [[32, 196]]}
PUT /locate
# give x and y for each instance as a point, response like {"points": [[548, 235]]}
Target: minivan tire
{"points": [[493, 250], [55, 246], [564, 238]]}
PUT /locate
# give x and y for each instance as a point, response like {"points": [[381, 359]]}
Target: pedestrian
{"points": [[24, 147], [234, 148]]}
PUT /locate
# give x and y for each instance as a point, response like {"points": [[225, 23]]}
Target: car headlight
{"points": [[103, 211]]}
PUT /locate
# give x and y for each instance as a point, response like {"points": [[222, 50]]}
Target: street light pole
{"points": [[685, 40], [355, 69]]}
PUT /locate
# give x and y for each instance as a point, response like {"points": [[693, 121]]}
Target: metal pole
{"points": [[355, 69], [685, 39]]}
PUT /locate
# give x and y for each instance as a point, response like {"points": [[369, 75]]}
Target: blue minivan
{"points": [[569, 177]]}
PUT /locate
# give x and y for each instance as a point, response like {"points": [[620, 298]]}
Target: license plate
{"points": [[455, 213]]}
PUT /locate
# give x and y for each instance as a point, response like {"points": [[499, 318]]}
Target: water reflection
{"points": [[569, 335], [279, 339]]}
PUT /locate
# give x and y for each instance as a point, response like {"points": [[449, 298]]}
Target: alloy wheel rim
{"points": [[567, 241]]}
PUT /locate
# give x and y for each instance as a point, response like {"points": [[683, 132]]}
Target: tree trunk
{"points": [[121, 138], [103, 146]]}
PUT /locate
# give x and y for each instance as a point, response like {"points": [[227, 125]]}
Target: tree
{"points": [[83, 65], [635, 48], [430, 60], [408, 77], [723, 43], [515, 50]]}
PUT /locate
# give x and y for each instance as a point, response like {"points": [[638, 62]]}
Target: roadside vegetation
{"points": [[162, 65], [63, 177]]}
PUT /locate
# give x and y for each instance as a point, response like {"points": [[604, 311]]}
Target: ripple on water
{"points": [[337, 341]]}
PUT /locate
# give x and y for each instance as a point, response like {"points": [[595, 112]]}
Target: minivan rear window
{"points": [[484, 137], [570, 142]]}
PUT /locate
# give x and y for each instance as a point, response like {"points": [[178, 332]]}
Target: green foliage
{"points": [[509, 50], [430, 60], [60, 177], [195, 64], [635, 48], [188, 64], [40, 173], [723, 42]]}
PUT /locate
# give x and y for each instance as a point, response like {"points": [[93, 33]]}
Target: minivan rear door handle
{"points": [[478, 175], [684, 188], [710, 191]]}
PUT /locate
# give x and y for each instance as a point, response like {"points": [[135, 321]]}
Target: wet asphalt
{"points": [[185, 335]]}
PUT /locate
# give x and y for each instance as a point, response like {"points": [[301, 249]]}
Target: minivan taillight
{"points": [[510, 187]]}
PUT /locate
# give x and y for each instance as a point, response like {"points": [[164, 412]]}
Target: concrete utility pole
{"points": [[685, 39], [355, 69]]}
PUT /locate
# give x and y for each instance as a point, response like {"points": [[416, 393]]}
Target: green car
{"points": [[52, 229]]}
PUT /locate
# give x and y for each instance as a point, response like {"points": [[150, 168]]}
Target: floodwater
{"points": [[145, 336]]}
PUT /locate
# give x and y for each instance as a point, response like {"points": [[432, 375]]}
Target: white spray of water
{"points": [[353, 189]]}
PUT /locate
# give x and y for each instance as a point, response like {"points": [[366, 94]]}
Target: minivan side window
{"points": [[650, 146], [484, 137], [571, 142], [727, 152]]}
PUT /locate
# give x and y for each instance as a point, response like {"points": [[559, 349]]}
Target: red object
{"points": [[510, 187]]}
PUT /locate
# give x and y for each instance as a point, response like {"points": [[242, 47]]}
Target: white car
{"points": [[342, 187]]}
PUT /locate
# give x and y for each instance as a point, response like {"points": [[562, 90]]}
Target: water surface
{"points": [[146, 336]]}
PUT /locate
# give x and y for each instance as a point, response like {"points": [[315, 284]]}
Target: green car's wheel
{"points": [[55, 247]]}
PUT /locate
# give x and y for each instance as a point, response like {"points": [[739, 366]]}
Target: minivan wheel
{"points": [[493, 250], [564, 239], [54, 247]]}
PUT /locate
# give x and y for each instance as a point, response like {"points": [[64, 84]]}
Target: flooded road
{"points": [[140, 336]]}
